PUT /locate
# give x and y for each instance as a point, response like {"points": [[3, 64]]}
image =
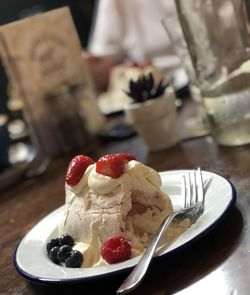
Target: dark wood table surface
{"points": [[219, 263]]}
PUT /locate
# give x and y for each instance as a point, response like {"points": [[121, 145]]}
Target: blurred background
{"points": [[15, 148], [110, 99], [12, 10]]}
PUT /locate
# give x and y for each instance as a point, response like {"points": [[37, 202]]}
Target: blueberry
{"points": [[74, 259], [66, 240], [63, 252], [52, 243], [53, 254]]}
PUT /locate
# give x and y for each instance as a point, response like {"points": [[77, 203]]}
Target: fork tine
{"points": [[188, 193], [200, 186], [194, 189], [184, 189]]}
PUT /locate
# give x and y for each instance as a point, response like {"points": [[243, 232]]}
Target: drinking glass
{"points": [[198, 125], [221, 63], [174, 31]]}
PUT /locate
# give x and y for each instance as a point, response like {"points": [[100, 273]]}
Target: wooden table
{"points": [[216, 264]]}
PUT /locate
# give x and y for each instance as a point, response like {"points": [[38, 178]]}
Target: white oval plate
{"points": [[32, 262]]}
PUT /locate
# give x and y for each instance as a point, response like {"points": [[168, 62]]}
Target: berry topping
{"points": [[63, 253], [113, 165], [53, 254], [76, 169], [74, 259], [66, 240], [52, 243], [116, 249], [60, 251]]}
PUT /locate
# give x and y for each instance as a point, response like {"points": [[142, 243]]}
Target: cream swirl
{"points": [[133, 171]]}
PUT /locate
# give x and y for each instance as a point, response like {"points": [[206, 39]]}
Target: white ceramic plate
{"points": [[31, 260]]}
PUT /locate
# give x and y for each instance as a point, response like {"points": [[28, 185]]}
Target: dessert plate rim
{"points": [[33, 267]]}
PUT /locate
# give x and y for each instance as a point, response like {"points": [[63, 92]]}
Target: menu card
{"points": [[42, 58]]}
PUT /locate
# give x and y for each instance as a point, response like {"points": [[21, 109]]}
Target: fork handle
{"points": [[136, 276]]}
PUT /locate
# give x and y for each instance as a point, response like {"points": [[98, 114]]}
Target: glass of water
{"points": [[221, 64], [197, 125]]}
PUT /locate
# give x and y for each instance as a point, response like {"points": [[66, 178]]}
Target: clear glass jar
{"points": [[222, 66]]}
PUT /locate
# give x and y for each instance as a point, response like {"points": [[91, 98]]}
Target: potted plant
{"points": [[152, 111]]}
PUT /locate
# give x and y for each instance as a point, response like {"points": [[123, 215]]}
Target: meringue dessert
{"points": [[117, 196]]}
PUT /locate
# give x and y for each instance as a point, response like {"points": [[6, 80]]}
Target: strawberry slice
{"points": [[76, 169], [113, 165]]}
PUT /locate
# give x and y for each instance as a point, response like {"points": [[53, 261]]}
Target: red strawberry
{"points": [[76, 169], [116, 249], [113, 165]]}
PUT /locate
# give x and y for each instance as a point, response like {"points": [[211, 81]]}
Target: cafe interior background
{"points": [[82, 13], [13, 10], [14, 132], [11, 116]]}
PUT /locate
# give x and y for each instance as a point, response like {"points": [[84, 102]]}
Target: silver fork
{"points": [[194, 199]]}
